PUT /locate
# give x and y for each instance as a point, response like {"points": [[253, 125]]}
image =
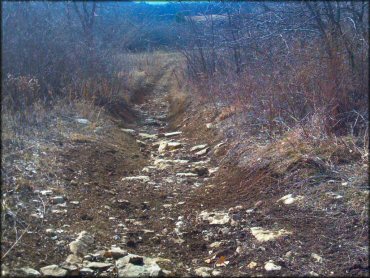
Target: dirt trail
{"points": [[135, 194], [148, 211], [151, 190]]}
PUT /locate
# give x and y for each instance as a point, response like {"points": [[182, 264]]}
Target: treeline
{"points": [[60, 43], [285, 62]]}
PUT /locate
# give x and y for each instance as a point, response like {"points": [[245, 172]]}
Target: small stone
{"points": [[270, 266], [186, 175], [28, 272], [86, 271], [258, 204], [167, 273], [74, 182], [162, 147], [288, 254], [178, 240], [266, 235], [215, 244], [171, 134], [215, 218], [73, 270], [73, 259], [148, 231], [50, 231], [137, 178], [203, 271], [198, 147], [210, 126], [213, 170], [202, 152], [131, 270], [98, 256], [82, 244], [174, 145], [57, 200], [148, 136], [289, 199], [53, 271], [83, 121], [216, 272], [4, 270], [59, 211], [252, 265], [317, 258], [334, 195], [115, 253], [219, 145], [98, 265], [129, 131], [46, 192]]}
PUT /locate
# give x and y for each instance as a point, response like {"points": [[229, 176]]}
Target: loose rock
{"points": [[186, 175], [148, 136], [137, 178], [203, 271], [46, 192], [171, 134], [116, 253], [270, 266], [57, 200], [98, 265], [162, 147], [83, 121], [198, 147], [317, 258], [289, 199], [82, 245], [252, 265], [53, 271], [73, 259], [266, 235], [129, 131], [215, 218], [86, 271], [28, 272], [202, 152]]}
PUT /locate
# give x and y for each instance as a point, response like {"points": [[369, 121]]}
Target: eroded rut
{"points": [[119, 218]]}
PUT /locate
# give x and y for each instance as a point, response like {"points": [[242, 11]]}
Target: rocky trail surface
{"points": [[130, 207], [125, 216]]}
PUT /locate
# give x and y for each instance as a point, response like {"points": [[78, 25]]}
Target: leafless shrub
{"points": [[284, 62]]}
